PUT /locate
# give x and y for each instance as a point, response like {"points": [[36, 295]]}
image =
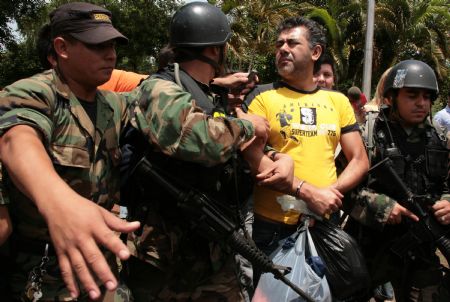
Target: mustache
{"points": [[285, 56]]}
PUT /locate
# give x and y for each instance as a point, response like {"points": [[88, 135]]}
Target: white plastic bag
{"points": [[270, 289]]}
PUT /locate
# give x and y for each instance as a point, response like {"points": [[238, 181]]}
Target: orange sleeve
{"points": [[122, 81]]}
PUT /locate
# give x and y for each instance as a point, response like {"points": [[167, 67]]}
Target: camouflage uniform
{"points": [[88, 157], [172, 262], [372, 205]]}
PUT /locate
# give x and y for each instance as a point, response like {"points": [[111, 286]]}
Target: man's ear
{"points": [[316, 52], [212, 52], [61, 47], [388, 100]]}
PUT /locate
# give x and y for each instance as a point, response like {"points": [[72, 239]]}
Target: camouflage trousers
{"points": [[148, 283]]}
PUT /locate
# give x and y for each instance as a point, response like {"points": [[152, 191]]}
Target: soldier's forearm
{"points": [[371, 209], [17, 161], [169, 119]]}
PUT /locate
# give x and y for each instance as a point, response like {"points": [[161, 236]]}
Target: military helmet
{"points": [[411, 73], [199, 24]]}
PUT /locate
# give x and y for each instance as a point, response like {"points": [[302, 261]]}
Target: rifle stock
{"points": [[211, 223]]}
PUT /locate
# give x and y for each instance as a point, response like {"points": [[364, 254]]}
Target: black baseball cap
{"points": [[86, 22]]}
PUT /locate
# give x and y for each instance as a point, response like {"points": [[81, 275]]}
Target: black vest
{"points": [[229, 183], [420, 159], [201, 93]]}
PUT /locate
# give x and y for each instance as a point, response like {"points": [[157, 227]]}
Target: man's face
{"points": [[293, 53], [324, 77], [89, 64], [413, 105]]}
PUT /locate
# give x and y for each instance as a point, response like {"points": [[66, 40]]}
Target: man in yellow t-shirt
{"points": [[307, 122]]}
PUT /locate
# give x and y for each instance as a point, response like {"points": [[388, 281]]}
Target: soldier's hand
{"points": [[239, 83], [76, 224], [280, 176], [395, 217], [442, 211], [322, 201], [260, 124], [77, 227], [231, 81]]}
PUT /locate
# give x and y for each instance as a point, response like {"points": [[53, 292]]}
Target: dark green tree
{"points": [[146, 24], [18, 62], [11, 11], [414, 29]]}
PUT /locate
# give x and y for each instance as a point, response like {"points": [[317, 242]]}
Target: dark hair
{"points": [[165, 57], [325, 58], [183, 54], [316, 33], [354, 93], [44, 46]]}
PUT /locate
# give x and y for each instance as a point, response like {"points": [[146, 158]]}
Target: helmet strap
{"points": [[192, 55], [222, 63]]}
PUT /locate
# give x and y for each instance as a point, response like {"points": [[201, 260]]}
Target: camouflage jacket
{"points": [[87, 156], [165, 240], [371, 204], [163, 110]]}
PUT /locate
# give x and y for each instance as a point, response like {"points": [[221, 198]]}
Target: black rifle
{"points": [[427, 228], [210, 222]]}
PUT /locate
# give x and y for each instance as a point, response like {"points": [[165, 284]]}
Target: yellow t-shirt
{"points": [[308, 127]]}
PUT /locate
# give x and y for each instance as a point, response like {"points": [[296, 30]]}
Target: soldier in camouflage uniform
{"points": [[60, 147], [402, 132], [171, 262]]}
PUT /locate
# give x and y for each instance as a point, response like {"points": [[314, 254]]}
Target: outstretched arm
{"points": [[170, 121], [76, 224]]}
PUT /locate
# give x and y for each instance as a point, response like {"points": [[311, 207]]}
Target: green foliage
{"points": [[146, 24], [413, 30], [253, 23], [403, 29], [15, 10], [18, 62]]}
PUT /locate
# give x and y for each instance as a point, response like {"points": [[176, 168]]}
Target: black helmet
{"points": [[411, 73], [199, 24]]}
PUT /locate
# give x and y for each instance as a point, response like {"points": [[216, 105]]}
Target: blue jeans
{"points": [[266, 236]]}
